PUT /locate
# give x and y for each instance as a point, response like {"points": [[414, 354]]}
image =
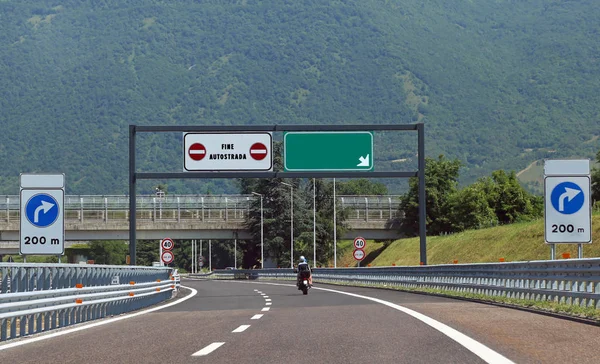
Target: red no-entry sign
{"points": [[197, 151], [258, 151]]}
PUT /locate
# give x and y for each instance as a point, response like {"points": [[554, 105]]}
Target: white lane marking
{"points": [[268, 303], [255, 290], [256, 317], [486, 354], [268, 299], [266, 308], [95, 324], [265, 296], [208, 349], [242, 328]]}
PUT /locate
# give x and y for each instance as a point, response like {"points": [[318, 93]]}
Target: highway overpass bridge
{"points": [[185, 217]]}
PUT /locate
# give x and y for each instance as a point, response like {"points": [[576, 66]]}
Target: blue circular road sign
{"points": [[567, 198], [41, 210]]}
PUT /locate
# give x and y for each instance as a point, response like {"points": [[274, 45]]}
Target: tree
{"points": [[361, 186], [596, 181], [441, 178], [470, 208], [111, 252], [510, 201]]}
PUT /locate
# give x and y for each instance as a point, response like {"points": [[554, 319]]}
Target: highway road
{"points": [[262, 322]]}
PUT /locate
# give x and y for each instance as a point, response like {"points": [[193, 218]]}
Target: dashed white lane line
{"points": [[242, 328], [265, 296], [268, 303], [255, 290], [266, 309], [208, 349], [268, 299], [257, 316]]}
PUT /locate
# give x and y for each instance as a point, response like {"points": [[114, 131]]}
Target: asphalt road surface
{"points": [[262, 322]]}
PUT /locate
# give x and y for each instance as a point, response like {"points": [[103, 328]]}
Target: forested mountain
{"points": [[498, 83]]}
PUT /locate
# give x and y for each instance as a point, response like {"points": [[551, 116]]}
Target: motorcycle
{"points": [[303, 285]]}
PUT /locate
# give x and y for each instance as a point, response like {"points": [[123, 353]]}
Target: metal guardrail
{"points": [[40, 297], [191, 207], [572, 282]]}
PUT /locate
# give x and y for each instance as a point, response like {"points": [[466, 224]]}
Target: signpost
{"points": [[567, 207], [228, 152], [165, 246], [42, 227], [328, 151]]}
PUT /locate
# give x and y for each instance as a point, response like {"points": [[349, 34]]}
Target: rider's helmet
{"points": [[302, 259]]}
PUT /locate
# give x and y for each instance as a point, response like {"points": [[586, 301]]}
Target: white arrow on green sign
{"points": [[328, 151]]}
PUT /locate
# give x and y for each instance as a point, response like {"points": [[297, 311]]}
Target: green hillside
{"points": [[514, 242], [498, 83]]}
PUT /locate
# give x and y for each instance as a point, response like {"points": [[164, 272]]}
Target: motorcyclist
{"points": [[304, 272]]}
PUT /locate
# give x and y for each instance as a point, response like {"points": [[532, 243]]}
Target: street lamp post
{"points": [[262, 236], [291, 223]]}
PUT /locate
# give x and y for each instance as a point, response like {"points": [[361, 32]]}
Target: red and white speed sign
{"points": [[167, 244], [167, 257], [360, 243], [359, 254]]}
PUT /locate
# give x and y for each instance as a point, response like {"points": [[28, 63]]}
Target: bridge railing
{"points": [[40, 297], [191, 207], [573, 282]]}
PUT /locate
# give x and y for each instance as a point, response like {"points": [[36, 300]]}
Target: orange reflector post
{"points": [[79, 285], [78, 301], [455, 261], [131, 294], [393, 264], [158, 290], [501, 259], [132, 283], [158, 280], [421, 263], [173, 287], [172, 278], [368, 265], [566, 255]]}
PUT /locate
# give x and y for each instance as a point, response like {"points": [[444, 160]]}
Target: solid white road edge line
{"points": [[208, 349], [242, 328], [486, 354], [29, 340], [256, 317]]}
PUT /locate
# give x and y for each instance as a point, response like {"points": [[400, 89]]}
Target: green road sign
{"points": [[328, 151]]}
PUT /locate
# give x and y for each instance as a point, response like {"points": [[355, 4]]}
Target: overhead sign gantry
{"points": [[233, 152]]}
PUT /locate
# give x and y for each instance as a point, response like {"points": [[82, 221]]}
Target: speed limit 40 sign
{"points": [[167, 244], [360, 243]]}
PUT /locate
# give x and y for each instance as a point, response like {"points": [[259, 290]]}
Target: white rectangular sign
{"points": [[228, 152], [567, 209], [42, 222]]}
